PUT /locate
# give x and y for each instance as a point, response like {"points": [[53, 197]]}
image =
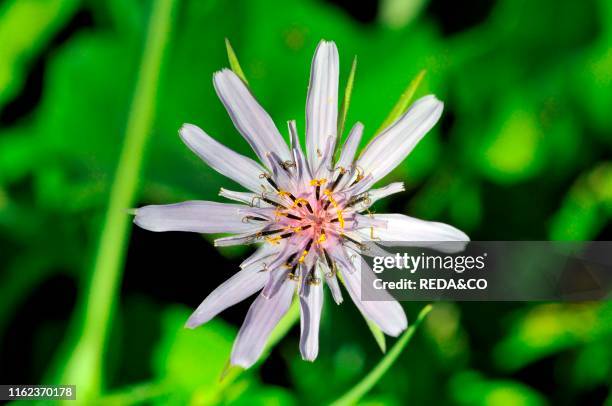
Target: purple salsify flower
{"points": [[303, 208]]}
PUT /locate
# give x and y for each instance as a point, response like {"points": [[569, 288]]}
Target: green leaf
{"points": [[398, 14], [26, 26], [260, 395], [550, 328], [348, 91], [192, 359], [586, 208], [403, 103], [368, 382], [513, 150], [379, 336], [186, 364], [469, 388], [233, 61]]}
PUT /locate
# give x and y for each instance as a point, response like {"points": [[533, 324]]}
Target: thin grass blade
{"points": [[346, 101], [85, 348], [367, 383], [379, 336], [403, 103], [233, 61]]}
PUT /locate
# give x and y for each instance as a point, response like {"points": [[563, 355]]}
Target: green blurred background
{"points": [[523, 152]]}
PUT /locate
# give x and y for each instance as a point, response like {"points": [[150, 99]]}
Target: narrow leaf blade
{"points": [[404, 101], [379, 336], [363, 387], [233, 61], [348, 91]]}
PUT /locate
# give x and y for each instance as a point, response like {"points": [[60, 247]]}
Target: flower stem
{"points": [[85, 360], [368, 382]]}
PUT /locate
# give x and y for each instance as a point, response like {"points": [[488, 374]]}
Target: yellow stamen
{"points": [[318, 182], [321, 238], [278, 212], [283, 193], [299, 201], [273, 240], [296, 229], [328, 193], [303, 256], [314, 281]]}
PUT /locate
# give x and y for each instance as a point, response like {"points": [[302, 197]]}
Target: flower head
{"points": [[303, 208]]}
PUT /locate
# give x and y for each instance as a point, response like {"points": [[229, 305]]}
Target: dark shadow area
{"points": [[31, 93]]}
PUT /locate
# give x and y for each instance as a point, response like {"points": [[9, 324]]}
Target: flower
{"points": [[303, 208]]}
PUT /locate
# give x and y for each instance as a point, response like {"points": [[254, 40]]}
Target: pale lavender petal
{"points": [[356, 189], [281, 174], [330, 280], [325, 169], [261, 319], [385, 191], [250, 119], [239, 168], [276, 280], [393, 145], [195, 216], [301, 164], [311, 304], [385, 312], [263, 254], [247, 238], [303, 270], [350, 147], [362, 221], [372, 249], [412, 231], [292, 249], [339, 254], [322, 102], [376, 194], [294, 139], [334, 288], [237, 288], [250, 199], [367, 199], [268, 213]]}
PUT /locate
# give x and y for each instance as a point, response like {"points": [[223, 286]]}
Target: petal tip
{"points": [[241, 362], [309, 358], [191, 324], [190, 133]]}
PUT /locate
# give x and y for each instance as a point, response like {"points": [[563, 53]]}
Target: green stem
{"points": [[85, 362], [368, 382]]}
